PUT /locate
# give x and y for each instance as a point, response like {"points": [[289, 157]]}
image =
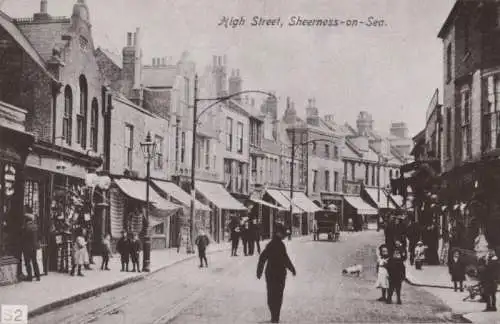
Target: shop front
{"points": [[280, 198], [359, 211], [128, 203], [225, 208], [14, 148], [180, 225], [308, 206]]}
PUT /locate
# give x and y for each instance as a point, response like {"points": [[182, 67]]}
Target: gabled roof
{"points": [[7, 23], [114, 58], [351, 150], [159, 77], [44, 35]]}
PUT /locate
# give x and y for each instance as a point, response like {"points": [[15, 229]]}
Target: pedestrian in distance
{"points": [[413, 235], [251, 236], [456, 266], [488, 279], [79, 253], [106, 251], [397, 273], [257, 234], [235, 238], [135, 249], [315, 230], [276, 259], [419, 255], [30, 245], [202, 242], [382, 273], [244, 236], [123, 247], [86, 255]]}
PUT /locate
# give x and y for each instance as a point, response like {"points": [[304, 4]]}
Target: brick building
{"points": [[470, 108], [62, 90]]}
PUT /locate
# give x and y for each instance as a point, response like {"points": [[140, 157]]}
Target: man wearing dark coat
{"points": [[30, 245], [397, 272], [235, 238], [278, 262], [413, 234], [488, 278]]}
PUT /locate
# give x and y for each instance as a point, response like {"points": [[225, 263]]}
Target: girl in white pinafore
{"points": [[382, 273]]}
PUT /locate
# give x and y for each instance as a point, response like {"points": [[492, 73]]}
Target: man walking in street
{"points": [[30, 244], [202, 242], [278, 261]]}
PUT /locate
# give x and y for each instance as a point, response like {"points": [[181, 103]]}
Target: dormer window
{"points": [[84, 43]]}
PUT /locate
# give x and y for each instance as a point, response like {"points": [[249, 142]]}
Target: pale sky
{"points": [[390, 71]]}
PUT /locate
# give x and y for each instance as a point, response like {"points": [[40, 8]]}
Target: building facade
{"points": [[470, 108]]}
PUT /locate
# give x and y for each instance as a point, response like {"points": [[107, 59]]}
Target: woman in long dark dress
{"points": [[397, 273], [277, 263]]}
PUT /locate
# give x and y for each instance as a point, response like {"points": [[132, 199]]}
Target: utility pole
{"points": [[190, 248], [291, 183]]}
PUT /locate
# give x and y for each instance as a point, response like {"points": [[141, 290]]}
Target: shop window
{"points": [[159, 229], [32, 197]]}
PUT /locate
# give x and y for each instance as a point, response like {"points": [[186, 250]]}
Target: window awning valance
{"points": [[383, 202], [302, 201], [136, 189], [360, 205], [265, 203], [177, 193], [283, 201], [219, 196]]}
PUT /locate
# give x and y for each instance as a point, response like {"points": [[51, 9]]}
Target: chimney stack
{"points": [[129, 39], [214, 61], [138, 59], [163, 61], [43, 6]]}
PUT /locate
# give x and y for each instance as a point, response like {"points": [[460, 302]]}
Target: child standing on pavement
{"points": [[106, 251], [382, 274], [457, 271], [419, 255], [135, 248], [123, 247]]}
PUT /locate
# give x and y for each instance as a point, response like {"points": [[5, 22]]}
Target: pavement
{"points": [[59, 289], [436, 280], [229, 292]]}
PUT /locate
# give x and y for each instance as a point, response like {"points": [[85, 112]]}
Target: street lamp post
{"points": [[148, 148], [196, 118]]}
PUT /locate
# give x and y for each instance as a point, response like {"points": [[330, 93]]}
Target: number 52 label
{"points": [[14, 314]]}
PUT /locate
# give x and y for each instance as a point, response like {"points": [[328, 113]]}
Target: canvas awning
{"points": [[398, 200], [177, 193], [383, 202], [360, 205], [136, 189], [300, 199], [283, 201], [265, 203], [219, 196]]}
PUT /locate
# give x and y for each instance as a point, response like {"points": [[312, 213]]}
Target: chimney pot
{"points": [[163, 61], [238, 72], [214, 58], [220, 60], [224, 60], [134, 35]]}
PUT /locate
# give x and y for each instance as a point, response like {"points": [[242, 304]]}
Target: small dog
{"points": [[353, 270]]}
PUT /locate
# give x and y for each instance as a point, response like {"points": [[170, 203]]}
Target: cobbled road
{"points": [[229, 292]]}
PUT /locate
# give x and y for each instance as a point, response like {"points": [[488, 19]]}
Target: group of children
{"points": [[129, 247], [391, 271]]}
